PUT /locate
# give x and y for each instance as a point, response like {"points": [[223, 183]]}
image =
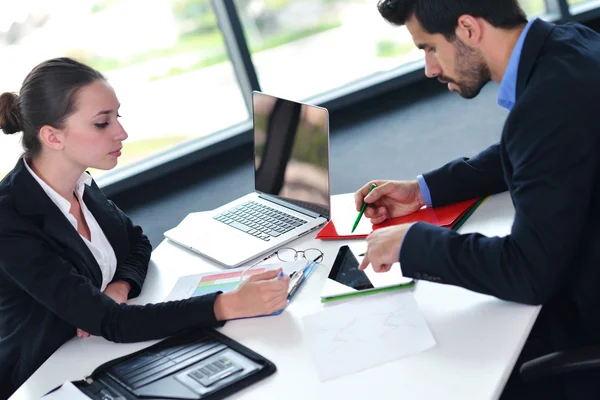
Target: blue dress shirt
{"points": [[508, 87]]}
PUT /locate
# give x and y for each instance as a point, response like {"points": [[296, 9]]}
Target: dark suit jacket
{"points": [[548, 158], [49, 280]]}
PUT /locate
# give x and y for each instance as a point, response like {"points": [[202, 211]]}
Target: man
{"points": [[548, 158]]}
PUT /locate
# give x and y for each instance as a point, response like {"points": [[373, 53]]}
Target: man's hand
{"points": [[118, 291], [383, 248], [389, 199]]}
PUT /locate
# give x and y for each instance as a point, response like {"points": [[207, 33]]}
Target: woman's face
{"points": [[93, 136]]}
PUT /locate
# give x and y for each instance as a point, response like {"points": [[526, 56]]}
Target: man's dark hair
{"points": [[441, 16]]}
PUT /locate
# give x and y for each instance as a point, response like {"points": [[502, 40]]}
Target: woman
{"points": [[69, 257]]}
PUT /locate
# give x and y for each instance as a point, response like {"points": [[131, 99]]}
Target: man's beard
{"points": [[471, 68]]}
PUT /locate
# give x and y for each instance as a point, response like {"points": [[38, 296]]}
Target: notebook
{"points": [[291, 181], [451, 216]]}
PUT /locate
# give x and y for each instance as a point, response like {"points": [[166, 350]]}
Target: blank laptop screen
{"points": [[291, 152]]}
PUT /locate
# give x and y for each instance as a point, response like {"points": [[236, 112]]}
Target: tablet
{"points": [[346, 279]]}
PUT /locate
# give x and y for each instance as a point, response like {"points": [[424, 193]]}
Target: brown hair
{"points": [[47, 97]]}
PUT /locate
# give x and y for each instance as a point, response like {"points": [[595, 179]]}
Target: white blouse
{"points": [[99, 245]]}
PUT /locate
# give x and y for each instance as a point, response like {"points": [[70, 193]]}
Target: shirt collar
{"points": [[507, 95], [63, 204]]}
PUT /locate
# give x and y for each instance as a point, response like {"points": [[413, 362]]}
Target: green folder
{"points": [[469, 213], [368, 292]]}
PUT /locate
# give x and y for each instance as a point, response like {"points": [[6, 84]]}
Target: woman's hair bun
{"points": [[10, 116]]}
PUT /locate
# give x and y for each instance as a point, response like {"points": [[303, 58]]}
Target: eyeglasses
{"points": [[288, 254]]}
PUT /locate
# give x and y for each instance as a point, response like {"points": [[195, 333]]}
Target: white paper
{"points": [[184, 287], [344, 214], [365, 332], [67, 391], [343, 226]]}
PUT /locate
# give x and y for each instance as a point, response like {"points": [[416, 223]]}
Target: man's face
{"points": [[452, 62]]}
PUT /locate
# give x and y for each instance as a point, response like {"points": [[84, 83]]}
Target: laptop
{"points": [[291, 181]]}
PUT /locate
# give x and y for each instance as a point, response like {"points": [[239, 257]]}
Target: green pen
{"points": [[363, 208]]}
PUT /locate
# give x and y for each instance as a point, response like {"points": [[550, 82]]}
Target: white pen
{"points": [[295, 281]]}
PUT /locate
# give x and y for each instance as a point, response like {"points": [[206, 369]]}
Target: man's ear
{"points": [[469, 30], [52, 137]]}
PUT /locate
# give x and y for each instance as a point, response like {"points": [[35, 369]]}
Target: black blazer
{"points": [[548, 158], [50, 282]]}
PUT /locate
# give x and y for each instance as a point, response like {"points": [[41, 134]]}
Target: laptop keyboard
{"points": [[259, 220], [150, 367]]}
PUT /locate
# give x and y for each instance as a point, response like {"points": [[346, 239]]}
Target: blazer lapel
{"points": [[535, 40], [108, 219], [32, 200]]}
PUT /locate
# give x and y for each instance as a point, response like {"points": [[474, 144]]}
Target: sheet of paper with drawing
{"points": [[365, 332], [346, 280]]}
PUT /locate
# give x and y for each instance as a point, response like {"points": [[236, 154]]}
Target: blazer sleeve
{"points": [[467, 178], [53, 282], [135, 266], [554, 163]]}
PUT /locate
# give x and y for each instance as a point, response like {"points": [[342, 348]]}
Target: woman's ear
{"points": [[52, 137]]}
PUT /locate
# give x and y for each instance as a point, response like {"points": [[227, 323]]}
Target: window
{"points": [[166, 60], [301, 48], [533, 7], [573, 2], [580, 6]]}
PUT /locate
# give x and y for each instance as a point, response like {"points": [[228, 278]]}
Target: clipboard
{"points": [[226, 281], [451, 216]]}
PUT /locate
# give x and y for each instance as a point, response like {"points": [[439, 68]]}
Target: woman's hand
{"points": [[118, 291], [260, 294]]}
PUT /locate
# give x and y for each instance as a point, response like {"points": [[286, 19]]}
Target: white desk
{"points": [[478, 337]]}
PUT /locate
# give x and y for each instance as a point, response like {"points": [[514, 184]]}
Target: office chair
{"points": [[561, 362]]}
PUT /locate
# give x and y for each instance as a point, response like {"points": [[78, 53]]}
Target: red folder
{"points": [[447, 216]]}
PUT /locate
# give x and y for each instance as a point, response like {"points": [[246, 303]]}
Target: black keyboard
{"points": [[259, 220], [150, 367]]}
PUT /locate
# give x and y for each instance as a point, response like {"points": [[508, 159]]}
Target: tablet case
{"points": [[450, 216], [107, 381]]}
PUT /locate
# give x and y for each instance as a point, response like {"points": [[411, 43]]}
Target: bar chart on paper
{"points": [[224, 282]]}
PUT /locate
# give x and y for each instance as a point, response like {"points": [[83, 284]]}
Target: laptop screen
{"points": [[291, 152]]}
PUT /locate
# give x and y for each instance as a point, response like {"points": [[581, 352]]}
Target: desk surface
{"points": [[478, 337]]}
